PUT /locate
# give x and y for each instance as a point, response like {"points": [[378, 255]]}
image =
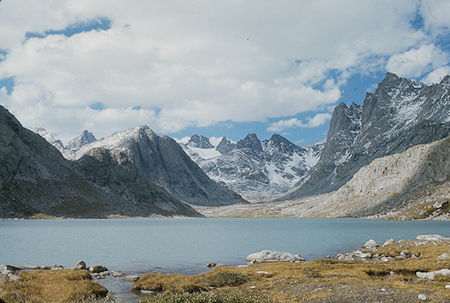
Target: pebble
{"points": [[422, 297]]}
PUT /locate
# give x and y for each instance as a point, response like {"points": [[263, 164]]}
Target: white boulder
{"points": [[388, 242], [266, 256], [432, 274], [430, 238], [371, 244]]}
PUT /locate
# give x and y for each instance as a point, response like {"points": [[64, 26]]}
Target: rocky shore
{"points": [[403, 271]]}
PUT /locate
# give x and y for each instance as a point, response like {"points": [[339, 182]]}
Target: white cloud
{"points": [[436, 15], [317, 120], [416, 62], [437, 75], [192, 63]]}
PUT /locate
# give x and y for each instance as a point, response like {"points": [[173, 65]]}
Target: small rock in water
{"points": [[117, 273], [80, 265], [211, 264], [97, 268], [422, 297], [131, 278], [104, 273]]}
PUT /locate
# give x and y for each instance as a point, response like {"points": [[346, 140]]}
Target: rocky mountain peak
{"points": [[282, 144], [49, 137], [399, 114], [200, 142], [76, 143], [251, 142], [345, 118], [225, 146]]}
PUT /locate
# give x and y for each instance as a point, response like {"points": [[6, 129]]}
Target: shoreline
{"points": [[393, 259]]}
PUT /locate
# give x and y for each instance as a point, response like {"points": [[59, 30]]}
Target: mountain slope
{"points": [[36, 178], [413, 184], [253, 168], [162, 160], [400, 114]]}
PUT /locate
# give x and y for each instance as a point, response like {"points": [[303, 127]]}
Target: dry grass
{"points": [[41, 216], [51, 286], [328, 280]]}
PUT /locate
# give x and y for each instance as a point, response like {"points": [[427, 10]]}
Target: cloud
{"points": [[435, 14], [315, 121], [437, 75], [191, 63], [415, 62]]}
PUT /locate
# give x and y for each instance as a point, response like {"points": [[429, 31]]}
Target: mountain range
{"points": [[401, 113], [137, 172], [35, 178], [255, 169]]}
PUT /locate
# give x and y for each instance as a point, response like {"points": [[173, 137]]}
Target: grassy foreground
{"points": [[325, 280], [57, 286]]}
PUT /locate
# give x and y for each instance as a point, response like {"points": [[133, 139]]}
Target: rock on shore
{"points": [[266, 256]]}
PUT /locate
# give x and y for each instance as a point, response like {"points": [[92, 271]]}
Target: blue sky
{"points": [[222, 68]]}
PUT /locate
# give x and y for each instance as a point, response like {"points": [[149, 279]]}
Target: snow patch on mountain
{"points": [[253, 168]]}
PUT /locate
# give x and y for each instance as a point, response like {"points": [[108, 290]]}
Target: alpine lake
{"points": [[186, 245]]}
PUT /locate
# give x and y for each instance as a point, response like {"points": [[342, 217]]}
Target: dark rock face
{"points": [[200, 142], [225, 146], [141, 194], [76, 143], [163, 161], [400, 114], [251, 143], [36, 178]]}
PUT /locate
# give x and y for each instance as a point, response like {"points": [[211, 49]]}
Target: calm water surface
{"points": [[186, 245]]}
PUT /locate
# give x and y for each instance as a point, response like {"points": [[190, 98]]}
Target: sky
{"points": [[215, 68]]}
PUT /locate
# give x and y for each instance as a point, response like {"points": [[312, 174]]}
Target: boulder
{"points": [[5, 267], [97, 269], [211, 264], [432, 274], [117, 273], [388, 242], [422, 297], [272, 256], [80, 265], [56, 267], [131, 278], [371, 244], [430, 238]]}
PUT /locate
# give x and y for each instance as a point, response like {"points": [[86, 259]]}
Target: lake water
{"points": [[185, 245]]}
